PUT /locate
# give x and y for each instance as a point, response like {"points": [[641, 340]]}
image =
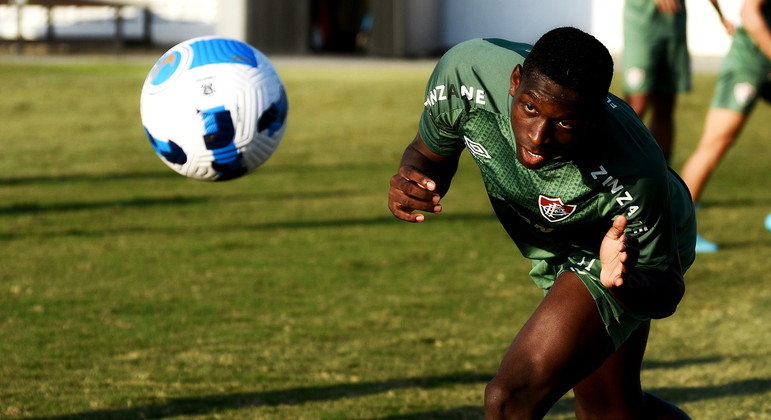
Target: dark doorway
{"points": [[340, 26]]}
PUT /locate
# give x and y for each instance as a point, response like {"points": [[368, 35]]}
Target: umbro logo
{"points": [[476, 149]]}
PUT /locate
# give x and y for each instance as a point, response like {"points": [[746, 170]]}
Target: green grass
{"points": [[127, 291]]}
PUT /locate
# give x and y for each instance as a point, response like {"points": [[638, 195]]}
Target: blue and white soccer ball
{"points": [[213, 108]]}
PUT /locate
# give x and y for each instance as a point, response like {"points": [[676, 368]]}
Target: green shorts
{"points": [[655, 57], [745, 69], [619, 322]]}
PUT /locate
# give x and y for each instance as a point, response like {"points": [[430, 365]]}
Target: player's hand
{"points": [[729, 26], [618, 254], [412, 190], [669, 7]]}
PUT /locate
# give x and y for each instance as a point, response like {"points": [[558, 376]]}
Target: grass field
{"points": [[128, 291]]}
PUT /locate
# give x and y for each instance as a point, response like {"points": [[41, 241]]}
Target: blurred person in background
{"points": [[745, 75], [656, 64]]}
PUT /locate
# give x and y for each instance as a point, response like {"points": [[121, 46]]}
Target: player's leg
{"points": [[662, 121], [744, 70], [638, 102], [562, 342], [640, 53], [613, 391], [721, 129], [615, 387]]}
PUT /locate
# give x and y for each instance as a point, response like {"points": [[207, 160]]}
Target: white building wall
{"points": [[520, 20], [516, 20], [231, 23], [526, 20], [706, 35], [175, 20]]}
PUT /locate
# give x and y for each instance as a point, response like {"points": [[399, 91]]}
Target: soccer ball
{"points": [[213, 108]]}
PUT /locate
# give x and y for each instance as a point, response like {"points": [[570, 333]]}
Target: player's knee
{"points": [[495, 395], [499, 401], [504, 399]]}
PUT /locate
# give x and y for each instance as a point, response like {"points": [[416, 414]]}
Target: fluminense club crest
{"points": [[553, 209], [744, 93]]}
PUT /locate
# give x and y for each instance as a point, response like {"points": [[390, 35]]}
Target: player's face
{"points": [[547, 119]]}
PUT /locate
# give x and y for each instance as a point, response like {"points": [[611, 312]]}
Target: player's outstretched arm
{"points": [[423, 179], [727, 24], [648, 293]]}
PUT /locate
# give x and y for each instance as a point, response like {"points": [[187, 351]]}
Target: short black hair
{"points": [[573, 59]]}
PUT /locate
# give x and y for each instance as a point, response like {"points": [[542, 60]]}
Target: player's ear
{"points": [[516, 78]]}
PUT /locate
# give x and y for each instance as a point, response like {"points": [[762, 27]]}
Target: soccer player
{"points": [[584, 191], [656, 62], [744, 71]]}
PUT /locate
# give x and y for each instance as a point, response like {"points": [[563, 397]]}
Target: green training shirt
{"points": [[567, 206]]}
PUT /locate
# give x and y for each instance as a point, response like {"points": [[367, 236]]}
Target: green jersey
{"points": [[565, 207]]}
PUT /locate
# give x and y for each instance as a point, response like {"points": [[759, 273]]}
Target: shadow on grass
{"points": [[733, 203], [563, 406], [297, 396], [207, 229], [294, 396], [675, 364], [459, 413], [679, 395], [100, 177], [740, 245], [675, 395], [170, 174], [142, 202], [31, 208]]}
